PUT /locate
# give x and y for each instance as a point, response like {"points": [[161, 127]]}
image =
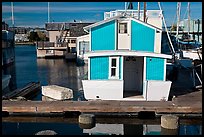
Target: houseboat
{"points": [[125, 61], [152, 17]]}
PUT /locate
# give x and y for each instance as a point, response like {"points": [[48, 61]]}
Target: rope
{"points": [[172, 48]]}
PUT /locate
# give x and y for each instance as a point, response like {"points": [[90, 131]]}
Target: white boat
{"points": [[5, 81]]}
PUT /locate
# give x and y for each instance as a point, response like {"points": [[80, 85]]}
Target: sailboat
{"points": [[189, 48]]}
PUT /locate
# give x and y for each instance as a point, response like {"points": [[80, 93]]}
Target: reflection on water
{"points": [[70, 126], [62, 73], [28, 68]]}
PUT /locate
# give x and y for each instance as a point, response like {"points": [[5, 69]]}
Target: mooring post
{"points": [[86, 121], [169, 125]]}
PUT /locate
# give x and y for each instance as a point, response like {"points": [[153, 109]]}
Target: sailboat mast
{"points": [[178, 18], [12, 16], [145, 11], [48, 12], [188, 18], [138, 8]]}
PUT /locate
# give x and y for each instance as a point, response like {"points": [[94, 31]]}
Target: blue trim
{"points": [[120, 67]]}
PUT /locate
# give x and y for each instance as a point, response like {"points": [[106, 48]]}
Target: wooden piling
{"points": [[86, 121], [169, 121]]}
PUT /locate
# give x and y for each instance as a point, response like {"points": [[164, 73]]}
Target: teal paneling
{"points": [[142, 37], [154, 68], [103, 37], [120, 68], [99, 68]]}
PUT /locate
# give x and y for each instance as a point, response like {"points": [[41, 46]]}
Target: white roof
{"points": [[126, 53]]}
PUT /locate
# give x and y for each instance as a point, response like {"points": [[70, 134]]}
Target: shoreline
{"points": [[25, 43]]}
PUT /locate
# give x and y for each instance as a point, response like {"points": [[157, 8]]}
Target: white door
{"points": [[124, 35]]}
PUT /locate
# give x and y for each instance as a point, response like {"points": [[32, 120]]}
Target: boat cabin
{"points": [[125, 61]]}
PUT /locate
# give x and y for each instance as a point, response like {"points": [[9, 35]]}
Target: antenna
{"points": [[12, 18], [48, 12]]}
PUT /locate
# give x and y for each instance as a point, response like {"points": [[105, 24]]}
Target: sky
{"points": [[35, 14]]}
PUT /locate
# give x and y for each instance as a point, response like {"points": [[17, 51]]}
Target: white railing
{"points": [[133, 13]]}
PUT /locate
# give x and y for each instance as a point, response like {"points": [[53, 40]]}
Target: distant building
{"points": [[62, 39], [71, 30], [21, 38], [19, 30], [195, 25]]}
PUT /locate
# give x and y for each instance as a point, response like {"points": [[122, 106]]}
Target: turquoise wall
{"points": [[103, 37], [154, 68], [142, 37], [120, 67], [99, 67]]}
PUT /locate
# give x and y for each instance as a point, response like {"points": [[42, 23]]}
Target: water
{"points": [[28, 68], [103, 126], [59, 72]]}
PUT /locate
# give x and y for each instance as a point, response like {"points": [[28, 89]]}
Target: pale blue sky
{"points": [[34, 14]]}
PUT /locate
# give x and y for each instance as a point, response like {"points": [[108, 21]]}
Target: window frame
{"points": [[125, 29], [117, 67]]}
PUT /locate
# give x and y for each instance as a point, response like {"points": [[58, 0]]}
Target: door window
{"points": [[122, 28]]}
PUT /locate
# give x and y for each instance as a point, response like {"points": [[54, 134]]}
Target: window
{"points": [[83, 47], [73, 41], [114, 68], [122, 27], [49, 51]]}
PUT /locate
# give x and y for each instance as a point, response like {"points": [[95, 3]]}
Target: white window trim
{"points": [[117, 68]]}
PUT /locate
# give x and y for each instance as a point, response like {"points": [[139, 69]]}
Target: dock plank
{"points": [[187, 104]]}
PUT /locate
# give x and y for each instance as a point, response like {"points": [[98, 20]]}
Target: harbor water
{"points": [[28, 68]]}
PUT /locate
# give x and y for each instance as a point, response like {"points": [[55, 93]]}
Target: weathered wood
{"points": [[95, 106], [26, 91], [185, 104]]}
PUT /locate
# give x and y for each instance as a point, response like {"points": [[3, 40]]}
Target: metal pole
{"points": [[12, 14], [171, 45], [198, 28], [188, 18], [138, 7], [125, 6], [193, 78], [48, 12], [178, 18]]}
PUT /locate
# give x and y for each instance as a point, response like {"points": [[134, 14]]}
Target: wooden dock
{"points": [[186, 104]]}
